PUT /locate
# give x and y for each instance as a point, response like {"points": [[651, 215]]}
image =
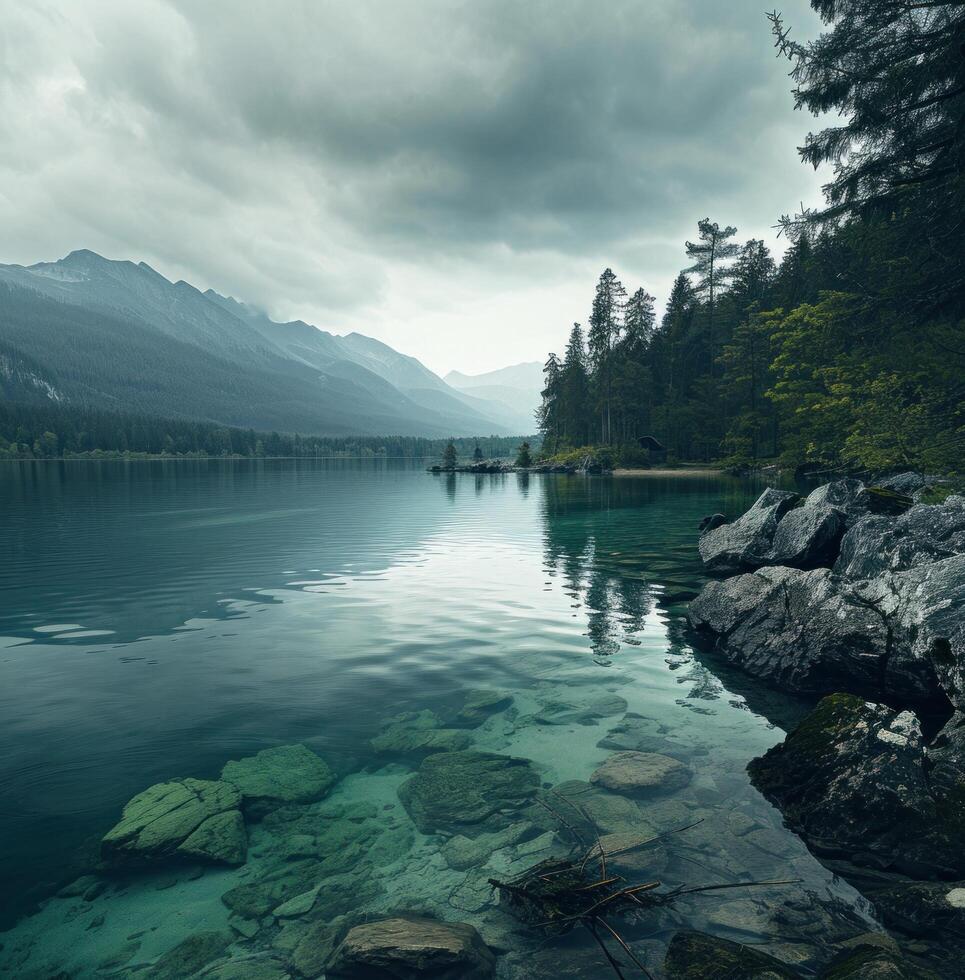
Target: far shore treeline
{"points": [[52, 431], [849, 354]]}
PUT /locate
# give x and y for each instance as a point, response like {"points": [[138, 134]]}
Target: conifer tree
{"points": [[449, 456], [606, 323], [712, 252]]}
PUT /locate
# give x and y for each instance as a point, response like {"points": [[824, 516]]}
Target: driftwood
{"points": [[558, 894]]}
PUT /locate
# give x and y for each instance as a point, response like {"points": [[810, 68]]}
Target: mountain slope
{"points": [[118, 335], [518, 386]]}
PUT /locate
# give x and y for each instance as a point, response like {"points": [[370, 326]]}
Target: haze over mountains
{"points": [[117, 335]]}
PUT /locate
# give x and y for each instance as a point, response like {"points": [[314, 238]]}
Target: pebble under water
{"points": [[159, 619]]}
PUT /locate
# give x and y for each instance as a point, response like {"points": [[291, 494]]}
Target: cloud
{"points": [[449, 176]]}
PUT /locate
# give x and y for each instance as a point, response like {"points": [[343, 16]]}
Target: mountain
{"points": [[517, 386], [118, 335]]}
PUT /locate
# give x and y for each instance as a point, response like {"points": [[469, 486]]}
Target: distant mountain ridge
{"points": [[118, 335], [519, 385]]}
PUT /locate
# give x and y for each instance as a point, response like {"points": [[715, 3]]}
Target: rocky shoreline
{"points": [[857, 593]]}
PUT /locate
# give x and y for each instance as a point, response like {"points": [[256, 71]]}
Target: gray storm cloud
{"points": [[447, 176]]}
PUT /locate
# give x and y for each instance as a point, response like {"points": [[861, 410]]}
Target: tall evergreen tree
{"points": [[575, 390], [712, 254], [549, 415], [606, 323]]}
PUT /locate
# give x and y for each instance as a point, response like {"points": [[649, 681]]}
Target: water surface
{"points": [[160, 618]]}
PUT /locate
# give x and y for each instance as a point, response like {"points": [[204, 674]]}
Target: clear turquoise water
{"points": [[159, 618]]}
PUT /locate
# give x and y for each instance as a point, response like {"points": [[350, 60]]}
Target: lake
{"points": [[160, 618]]}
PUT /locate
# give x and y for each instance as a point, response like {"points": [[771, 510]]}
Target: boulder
{"points": [[905, 483], [278, 776], [924, 533], [745, 543], [852, 779], [799, 630], [697, 956], [641, 774], [807, 537], [711, 522], [472, 792], [844, 496], [923, 909], [411, 949], [194, 819]]}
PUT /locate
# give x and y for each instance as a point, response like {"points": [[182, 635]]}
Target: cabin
{"points": [[656, 451]]}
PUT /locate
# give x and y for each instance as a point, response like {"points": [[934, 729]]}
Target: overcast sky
{"points": [[449, 176]]}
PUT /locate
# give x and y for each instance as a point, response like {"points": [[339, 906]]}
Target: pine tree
{"points": [[524, 456], [549, 414], [712, 252], [575, 391], [606, 323], [449, 456], [640, 318], [477, 453]]}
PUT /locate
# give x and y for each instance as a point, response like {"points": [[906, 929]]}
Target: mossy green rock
{"points": [[696, 956], [453, 791], [221, 838], [278, 776], [480, 705], [184, 818]]}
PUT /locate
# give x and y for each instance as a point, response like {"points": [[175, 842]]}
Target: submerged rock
{"points": [[453, 791], [413, 948], [588, 808], [641, 774], [566, 713], [185, 818], [852, 780], [745, 543], [461, 852], [189, 956], [418, 734], [277, 776], [480, 705], [697, 956]]}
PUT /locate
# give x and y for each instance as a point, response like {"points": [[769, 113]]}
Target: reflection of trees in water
{"points": [[578, 541]]}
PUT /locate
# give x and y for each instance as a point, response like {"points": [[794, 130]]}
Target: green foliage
{"points": [[850, 354], [449, 456], [524, 456]]}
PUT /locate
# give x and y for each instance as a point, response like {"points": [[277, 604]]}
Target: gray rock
{"points": [[453, 791], [402, 740], [641, 774], [807, 537], [413, 948], [277, 776], [923, 534], [185, 818], [796, 629], [842, 495], [745, 543], [852, 780], [712, 522], [905, 483]]}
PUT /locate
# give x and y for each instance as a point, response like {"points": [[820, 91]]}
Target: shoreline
{"points": [[695, 471]]}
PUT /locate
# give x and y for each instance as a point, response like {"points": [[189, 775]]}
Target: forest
{"points": [[849, 353], [52, 431]]}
